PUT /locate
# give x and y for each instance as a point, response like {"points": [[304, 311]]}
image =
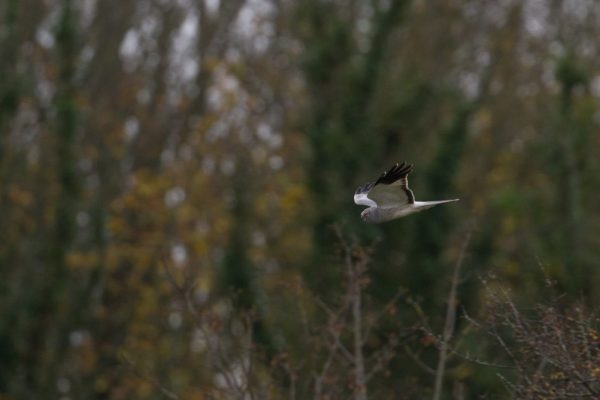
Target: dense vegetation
{"points": [[176, 216]]}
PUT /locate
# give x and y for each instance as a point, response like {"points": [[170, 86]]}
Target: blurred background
{"points": [[176, 214]]}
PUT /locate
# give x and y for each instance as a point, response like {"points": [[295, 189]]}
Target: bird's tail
{"points": [[428, 204], [440, 201]]}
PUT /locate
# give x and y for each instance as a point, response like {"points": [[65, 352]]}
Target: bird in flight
{"points": [[389, 197]]}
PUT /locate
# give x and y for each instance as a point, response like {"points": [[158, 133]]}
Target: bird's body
{"points": [[377, 215], [389, 197]]}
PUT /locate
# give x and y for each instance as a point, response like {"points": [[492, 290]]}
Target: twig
{"points": [[450, 320], [419, 362], [359, 363], [153, 381]]}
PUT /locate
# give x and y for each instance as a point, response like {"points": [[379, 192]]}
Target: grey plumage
{"points": [[389, 197]]}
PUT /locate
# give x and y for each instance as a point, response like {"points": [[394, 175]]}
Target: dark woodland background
{"points": [[176, 215]]}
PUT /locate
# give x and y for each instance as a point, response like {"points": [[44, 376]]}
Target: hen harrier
{"points": [[389, 197]]}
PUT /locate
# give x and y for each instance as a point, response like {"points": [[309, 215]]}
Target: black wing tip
{"points": [[398, 171]]}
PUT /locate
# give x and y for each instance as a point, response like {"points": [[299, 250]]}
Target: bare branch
{"points": [[450, 319], [146, 377]]}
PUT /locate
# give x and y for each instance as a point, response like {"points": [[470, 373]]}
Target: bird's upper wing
{"points": [[389, 190]]}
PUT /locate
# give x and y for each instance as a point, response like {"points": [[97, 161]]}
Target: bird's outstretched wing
{"points": [[389, 190]]}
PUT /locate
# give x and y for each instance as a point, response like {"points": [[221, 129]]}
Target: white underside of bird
{"points": [[389, 197]]}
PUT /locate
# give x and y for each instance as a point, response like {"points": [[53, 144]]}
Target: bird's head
{"points": [[367, 215]]}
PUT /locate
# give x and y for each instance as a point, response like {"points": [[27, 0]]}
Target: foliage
{"points": [[170, 173], [553, 349]]}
